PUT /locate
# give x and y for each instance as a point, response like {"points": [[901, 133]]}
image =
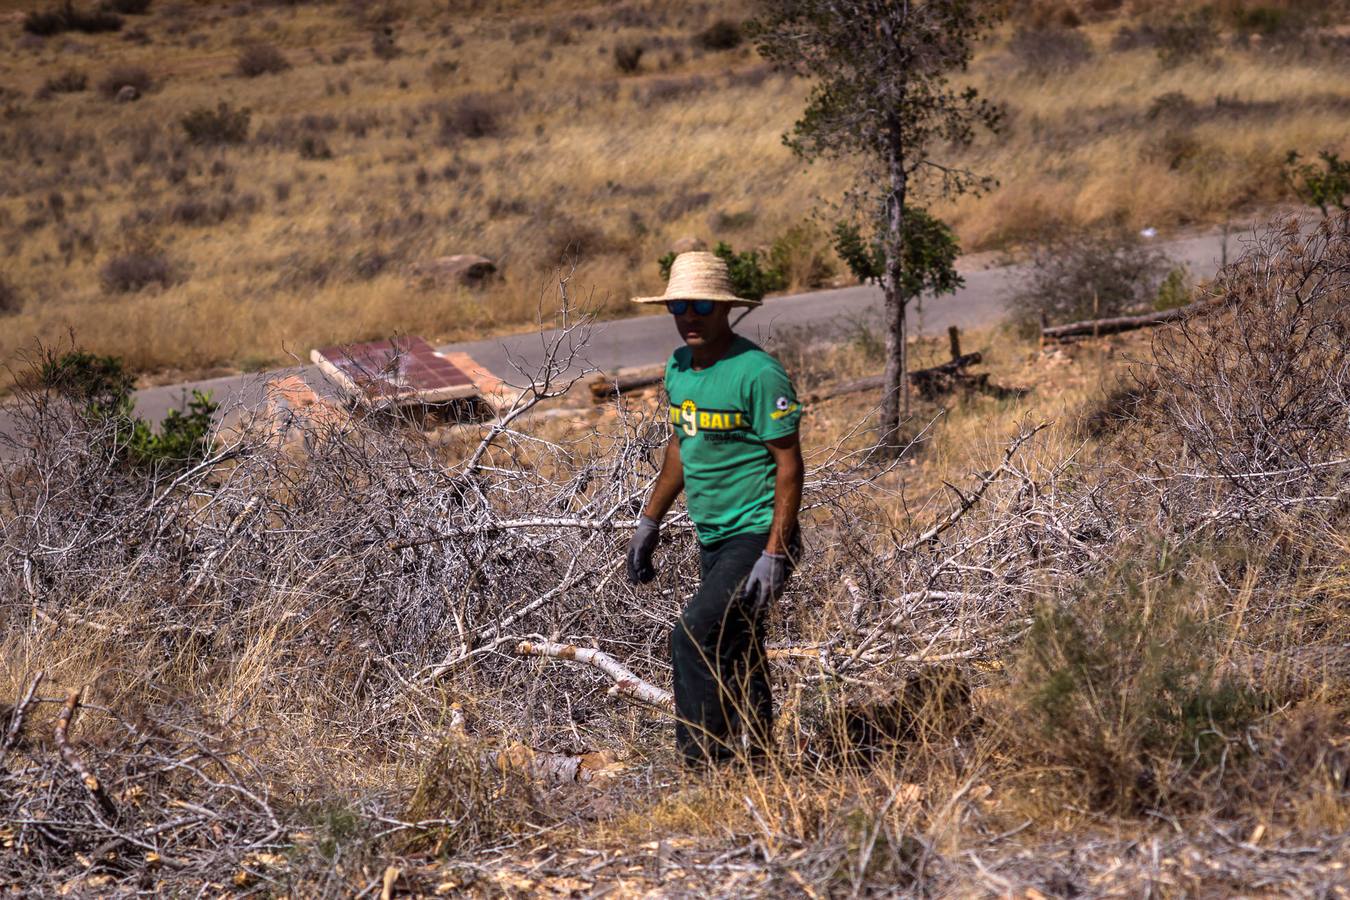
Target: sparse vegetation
{"points": [[70, 81], [1050, 50], [69, 17], [261, 59], [119, 77], [1090, 275]]}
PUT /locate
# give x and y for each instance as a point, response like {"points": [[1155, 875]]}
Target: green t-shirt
{"points": [[722, 416]]}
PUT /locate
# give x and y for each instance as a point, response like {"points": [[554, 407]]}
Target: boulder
{"points": [[687, 245], [462, 269], [127, 93]]}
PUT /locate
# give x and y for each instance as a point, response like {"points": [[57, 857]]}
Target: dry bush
{"points": [[472, 116], [70, 81], [10, 300], [1263, 385], [137, 269], [1087, 275], [219, 126], [1046, 51], [125, 76], [628, 58], [724, 34], [260, 59]]}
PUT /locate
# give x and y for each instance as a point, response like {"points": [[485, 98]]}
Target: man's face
{"points": [[701, 331]]}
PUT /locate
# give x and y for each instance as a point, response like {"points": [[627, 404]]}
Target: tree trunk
{"points": [[895, 400]]}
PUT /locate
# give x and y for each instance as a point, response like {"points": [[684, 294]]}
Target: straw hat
{"points": [[699, 275]]}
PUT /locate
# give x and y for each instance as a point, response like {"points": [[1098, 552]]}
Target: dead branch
{"points": [[1118, 324], [72, 759], [968, 501], [16, 720], [626, 684]]}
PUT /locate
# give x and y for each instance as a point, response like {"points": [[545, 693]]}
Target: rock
{"points": [[465, 268], [127, 93], [687, 245]]}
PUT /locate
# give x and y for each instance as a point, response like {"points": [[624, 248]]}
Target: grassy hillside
{"points": [[399, 132]]}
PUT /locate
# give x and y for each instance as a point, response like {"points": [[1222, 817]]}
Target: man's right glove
{"points": [[640, 548]]}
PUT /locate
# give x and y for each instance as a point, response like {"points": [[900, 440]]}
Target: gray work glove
{"points": [[640, 548], [767, 578]]}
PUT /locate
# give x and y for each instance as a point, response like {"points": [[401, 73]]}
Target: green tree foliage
{"points": [[1323, 186], [929, 255], [882, 98], [102, 387]]}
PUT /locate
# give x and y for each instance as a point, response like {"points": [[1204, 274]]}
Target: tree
{"points": [[882, 97]]}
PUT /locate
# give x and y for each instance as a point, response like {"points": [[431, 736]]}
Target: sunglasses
{"points": [[701, 307]]}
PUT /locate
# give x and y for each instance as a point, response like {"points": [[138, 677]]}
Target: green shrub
{"points": [[1175, 290], [102, 387], [222, 125], [1322, 186], [1128, 687], [930, 252], [802, 255]]}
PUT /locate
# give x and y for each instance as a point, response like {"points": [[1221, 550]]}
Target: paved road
{"points": [[647, 340]]}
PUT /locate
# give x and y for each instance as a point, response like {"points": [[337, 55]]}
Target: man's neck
{"points": [[706, 355]]}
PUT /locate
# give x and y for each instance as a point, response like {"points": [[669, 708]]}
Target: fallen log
{"points": [[626, 684], [604, 388], [930, 382], [1118, 324]]}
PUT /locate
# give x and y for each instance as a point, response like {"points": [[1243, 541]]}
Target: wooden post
{"points": [[954, 338], [1096, 312]]}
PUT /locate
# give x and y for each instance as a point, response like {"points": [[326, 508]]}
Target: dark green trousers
{"points": [[717, 653]]}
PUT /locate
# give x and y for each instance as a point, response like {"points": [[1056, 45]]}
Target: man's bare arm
{"points": [[669, 482], [787, 492]]}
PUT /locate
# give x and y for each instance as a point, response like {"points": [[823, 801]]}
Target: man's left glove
{"points": [[767, 578], [640, 549]]}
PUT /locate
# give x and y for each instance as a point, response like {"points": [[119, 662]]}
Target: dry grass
{"points": [[1148, 683], [360, 166]]}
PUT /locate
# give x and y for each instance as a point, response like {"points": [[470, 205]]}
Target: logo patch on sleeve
{"points": [[784, 406]]}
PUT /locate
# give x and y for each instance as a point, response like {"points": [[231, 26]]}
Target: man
{"points": [[734, 452]]}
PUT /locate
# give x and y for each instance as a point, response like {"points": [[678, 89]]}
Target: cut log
{"points": [[1118, 324], [626, 684]]}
